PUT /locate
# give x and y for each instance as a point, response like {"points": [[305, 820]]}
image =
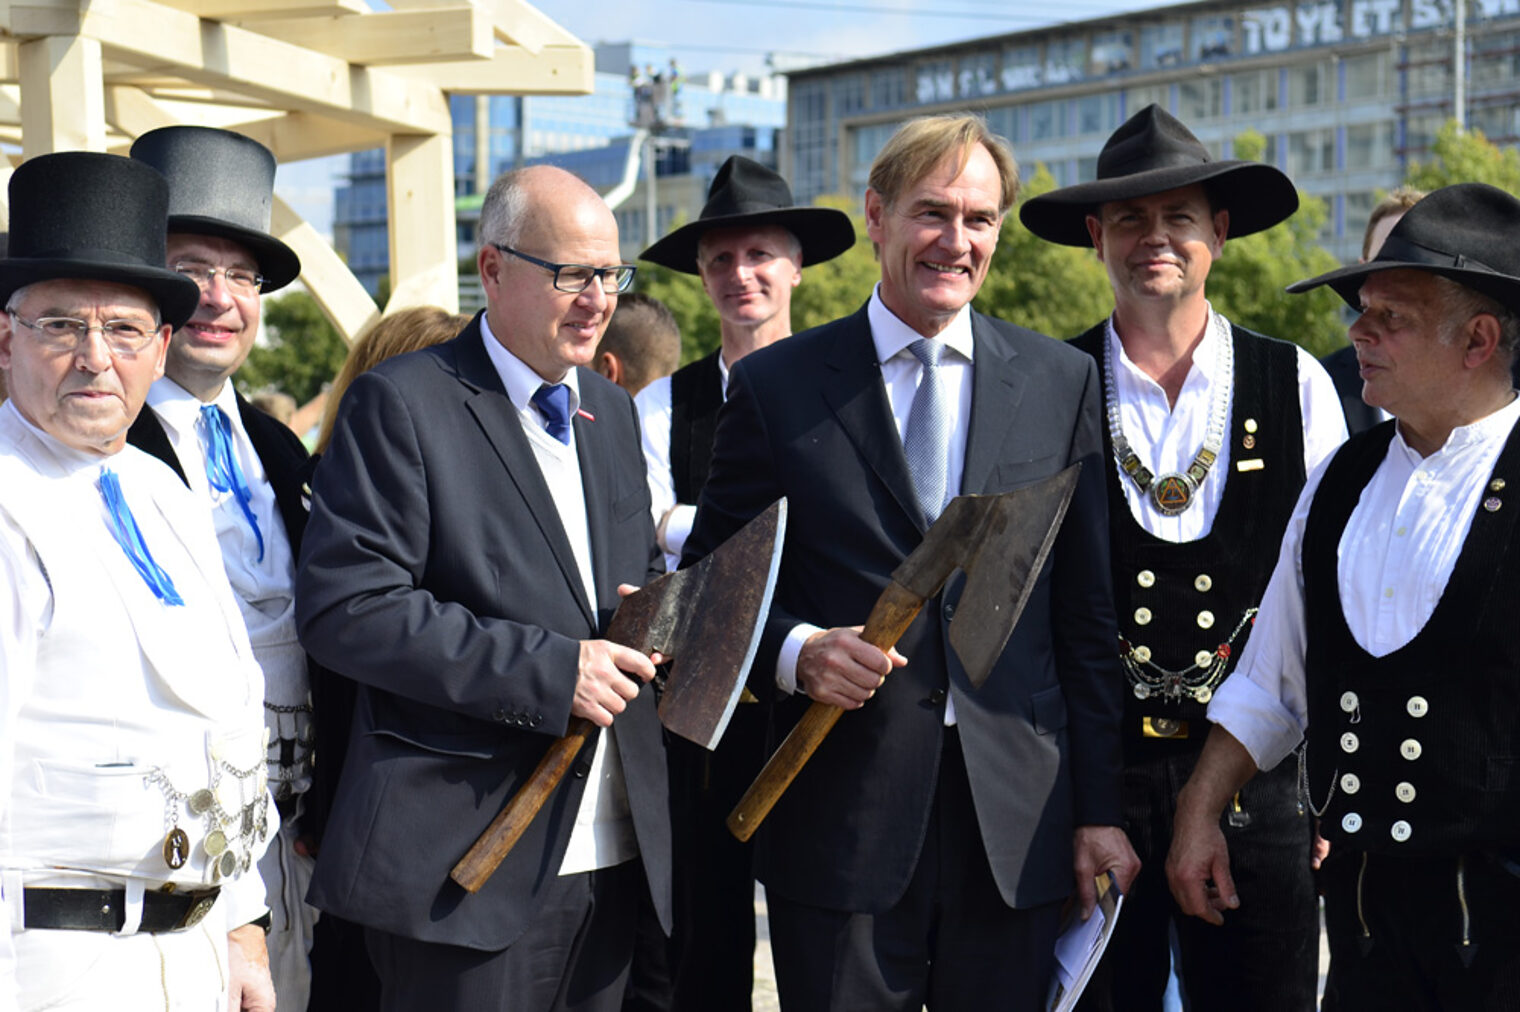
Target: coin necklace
{"points": [[1172, 493]]}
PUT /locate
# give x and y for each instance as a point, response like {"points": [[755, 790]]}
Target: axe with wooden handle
{"points": [[706, 620], [1000, 542]]}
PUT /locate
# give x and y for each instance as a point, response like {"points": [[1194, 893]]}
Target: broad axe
{"points": [[706, 620], [1000, 542]]}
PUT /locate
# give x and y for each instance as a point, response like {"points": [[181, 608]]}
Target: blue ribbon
{"points": [[222, 468], [129, 537]]}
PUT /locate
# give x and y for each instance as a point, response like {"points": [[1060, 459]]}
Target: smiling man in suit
{"points": [[479, 506], [923, 854]]}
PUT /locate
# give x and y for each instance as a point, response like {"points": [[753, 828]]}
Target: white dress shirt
{"points": [[654, 407], [1394, 560], [1167, 437], [603, 832], [901, 372]]}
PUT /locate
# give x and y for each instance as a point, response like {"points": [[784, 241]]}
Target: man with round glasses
{"points": [[477, 509], [246, 467], [133, 796]]}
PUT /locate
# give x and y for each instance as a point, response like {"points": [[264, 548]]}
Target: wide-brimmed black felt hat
{"points": [[1465, 232], [746, 194], [93, 217], [221, 184], [1153, 152]]}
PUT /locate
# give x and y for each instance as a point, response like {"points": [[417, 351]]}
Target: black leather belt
{"points": [[105, 909]]}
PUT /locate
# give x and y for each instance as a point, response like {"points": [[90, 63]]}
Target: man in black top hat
{"points": [[246, 467], [1210, 429], [1386, 637], [748, 246], [132, 786]]}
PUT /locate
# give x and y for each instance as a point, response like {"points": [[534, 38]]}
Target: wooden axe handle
{"points": [[894, 611], [487, 853]]}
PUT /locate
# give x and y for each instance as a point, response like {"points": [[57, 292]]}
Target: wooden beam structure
{"points": [[306, 78]]}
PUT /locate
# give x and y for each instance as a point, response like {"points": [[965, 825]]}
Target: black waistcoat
{"points": [[1429, 735], [696, 396], [1185, 610]]}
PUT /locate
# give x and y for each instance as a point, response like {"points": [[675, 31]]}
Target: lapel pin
{"points": [[583, 413]]}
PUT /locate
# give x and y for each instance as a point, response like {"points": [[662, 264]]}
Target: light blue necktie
{"points": [[222, 468], [926, 443], [553, 402], [129, 537]]}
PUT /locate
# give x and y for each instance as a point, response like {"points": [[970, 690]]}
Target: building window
{"points": [[1087, 169], [1003, 121], [1200, 99], [1064, 60], [1254, 92], [1112, 53], [1311, 152], [1358, 209], [1098, 114], [1367, 76], [1500, 123], [1213, 38], [1310, 84], [936, 82], [1047, 120], [849, 94], [1021, 68], [1160, 46], [887, 89], [1495, 60], [1136, 99], [978, 75], [1369, 145]]}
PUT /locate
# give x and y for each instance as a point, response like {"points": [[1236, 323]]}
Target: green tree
{"points": [[303, 352], [1466, 156], [1057, 290]]}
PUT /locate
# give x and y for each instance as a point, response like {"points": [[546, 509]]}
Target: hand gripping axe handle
{"points": [[707, 621], [1000, 542]]}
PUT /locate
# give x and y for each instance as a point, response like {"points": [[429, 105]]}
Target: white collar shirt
{"points": [[655, 407], [1395, 557]]}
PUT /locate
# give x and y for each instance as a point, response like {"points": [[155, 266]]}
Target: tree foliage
{"points": [[1466, 156], [303, 351]]}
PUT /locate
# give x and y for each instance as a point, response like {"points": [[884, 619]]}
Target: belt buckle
{"points": [[1163, 727], [198, 909]]}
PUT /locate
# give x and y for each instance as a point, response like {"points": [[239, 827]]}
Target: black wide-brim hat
{"points": [[1153, 152], [746, 194], [81, 215], [1465, 232], [221, 184]]}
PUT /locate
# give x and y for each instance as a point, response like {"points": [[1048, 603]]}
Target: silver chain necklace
{"points": [[1173, 493]]}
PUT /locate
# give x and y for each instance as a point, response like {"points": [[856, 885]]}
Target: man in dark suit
{"points": [[247, 468], [476, 512], [923, 854]]}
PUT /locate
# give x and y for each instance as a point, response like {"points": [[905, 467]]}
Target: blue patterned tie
{"points": [[129, 537], [553, 402], [927, 442], [222, 468]]}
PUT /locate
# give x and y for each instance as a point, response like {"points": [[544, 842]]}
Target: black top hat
{"points": [[221, 184], [1152, 152], [93, 217], [1465, 232], [745, 194]]}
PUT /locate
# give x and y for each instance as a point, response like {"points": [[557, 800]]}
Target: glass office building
{"points": [[1346, 92]]}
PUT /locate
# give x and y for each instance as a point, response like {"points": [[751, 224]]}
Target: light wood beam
{"points": [[420, 204], [62, 107], [516, 22], [392, 37], [247, 10], [341, 296], [554, 70]]}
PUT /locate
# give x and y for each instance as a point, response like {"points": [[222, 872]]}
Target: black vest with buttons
{"points": [[1182, 604], [696, 397], [1417, 752]]}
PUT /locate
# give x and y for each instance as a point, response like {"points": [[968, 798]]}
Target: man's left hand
{"points": [[250, 988], [1097, 851]]}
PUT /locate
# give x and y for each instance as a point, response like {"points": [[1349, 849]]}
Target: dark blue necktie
{"points": [[222, 468], [553, 402], [129, 537]]}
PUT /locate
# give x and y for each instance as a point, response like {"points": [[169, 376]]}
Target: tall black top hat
{"points": [[1153, 152], [94, 217], [746, 194], [1465, 232], [221, 184]]}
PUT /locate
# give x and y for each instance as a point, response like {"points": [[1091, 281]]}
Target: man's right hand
{"points": [[605, 682], [839, 668], [1198, 867]]}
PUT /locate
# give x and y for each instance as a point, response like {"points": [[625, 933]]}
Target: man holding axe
{"points": [[479, 507], [922, 855]]}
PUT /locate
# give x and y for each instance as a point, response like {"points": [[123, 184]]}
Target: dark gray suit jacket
{"points": [[808, 418], [436, 573]]}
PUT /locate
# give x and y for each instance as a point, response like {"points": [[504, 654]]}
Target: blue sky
{"points": [[739, 34]]}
